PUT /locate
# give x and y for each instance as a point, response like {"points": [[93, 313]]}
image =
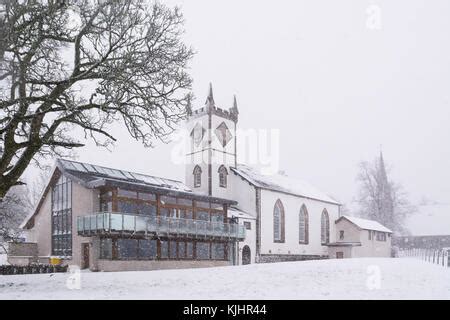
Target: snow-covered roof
{"points": [[90, 172], [234, 212], [282, 183], [429, 220], [366, 224]]}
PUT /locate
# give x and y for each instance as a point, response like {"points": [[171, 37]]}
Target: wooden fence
{"points": [[437, 256]]}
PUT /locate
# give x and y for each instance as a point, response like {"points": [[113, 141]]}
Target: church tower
{"points": [[212, 147]]}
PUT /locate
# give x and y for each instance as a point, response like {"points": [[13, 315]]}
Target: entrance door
{"points": [[246, 255], [85, 255], [339, 255]]}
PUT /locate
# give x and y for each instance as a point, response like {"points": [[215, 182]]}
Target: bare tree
{"points": [[381, 199], [13, 209], [35, 187], [86, 64]]}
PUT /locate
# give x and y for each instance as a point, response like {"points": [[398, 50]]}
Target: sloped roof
{"points": [[282, 183], [88, 173], [429, 220], [235, 212], [94, 176], [366, 224]]}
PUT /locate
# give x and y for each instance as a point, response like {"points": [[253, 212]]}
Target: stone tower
{"points": [[212, 147]]}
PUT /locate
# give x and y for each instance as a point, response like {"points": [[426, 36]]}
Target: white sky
{"points": [[336, 89]]}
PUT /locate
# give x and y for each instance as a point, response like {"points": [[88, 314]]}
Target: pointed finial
{"points": [[235, 104], [234, 109], [210, 98]]}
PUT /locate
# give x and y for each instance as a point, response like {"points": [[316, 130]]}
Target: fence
{"points": [[437, 256], [31, 269]]}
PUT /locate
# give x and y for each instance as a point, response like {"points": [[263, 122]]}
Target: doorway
{"points": [[246, 255], [339, 255], [85, 255]]}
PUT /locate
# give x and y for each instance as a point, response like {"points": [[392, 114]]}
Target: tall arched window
{"points": [[325, 227], [197, 176], [303, 226], [223, 173], [278, 222]]}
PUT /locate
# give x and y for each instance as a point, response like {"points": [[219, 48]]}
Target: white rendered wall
{"points": [[292, 205]]}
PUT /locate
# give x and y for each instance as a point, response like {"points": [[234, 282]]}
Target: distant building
{"points": [[429, 228], [356, 237]]}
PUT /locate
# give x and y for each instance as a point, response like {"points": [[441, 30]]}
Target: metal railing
{"points": [[437, 256], [113, 222]]}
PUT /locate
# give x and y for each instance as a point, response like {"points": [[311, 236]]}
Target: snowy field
{"points": [[369, 278]]}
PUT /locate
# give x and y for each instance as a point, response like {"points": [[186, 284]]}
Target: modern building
{"points": [[357, 237], [225, 213]]}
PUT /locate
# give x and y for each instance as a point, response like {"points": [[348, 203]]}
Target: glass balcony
{"points": [[117, 223]]}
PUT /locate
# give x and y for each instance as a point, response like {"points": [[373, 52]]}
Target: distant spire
{"points": [[383, 172], [210, 97]]}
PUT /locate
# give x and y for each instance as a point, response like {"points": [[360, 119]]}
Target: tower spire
{"points": [[382, 167]]}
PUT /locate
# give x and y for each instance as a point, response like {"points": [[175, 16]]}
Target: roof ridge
{"points": [[133, 172], [285, 184]]}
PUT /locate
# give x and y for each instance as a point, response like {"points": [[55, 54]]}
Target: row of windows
{"points": [[153, 249], [303, 225], [62, 245], [62, 222], [223, 174], [62, 217], [380, 236], [137, 203]]}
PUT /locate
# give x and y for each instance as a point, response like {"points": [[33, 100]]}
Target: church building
{"points": [[225, 213]]}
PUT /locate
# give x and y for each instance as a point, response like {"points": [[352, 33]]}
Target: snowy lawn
{"points": [[402, 278]]}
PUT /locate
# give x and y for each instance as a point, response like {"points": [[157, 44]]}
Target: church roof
{"points": [[282, 183], [366, 224]]}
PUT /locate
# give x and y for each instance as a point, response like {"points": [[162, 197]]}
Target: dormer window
{"points": [[197, 176], [223, 173]]}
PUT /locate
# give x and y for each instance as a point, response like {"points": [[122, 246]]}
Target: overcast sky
{"points": [[337, 86]]}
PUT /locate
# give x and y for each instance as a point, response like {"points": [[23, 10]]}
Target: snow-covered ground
{"points": [[401, 278], [3, 258]]}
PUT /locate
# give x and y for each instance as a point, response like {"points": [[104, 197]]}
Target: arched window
{"points": [[325, 227], [303, 226], [197, 176], [278, 222], [223, 173]]}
